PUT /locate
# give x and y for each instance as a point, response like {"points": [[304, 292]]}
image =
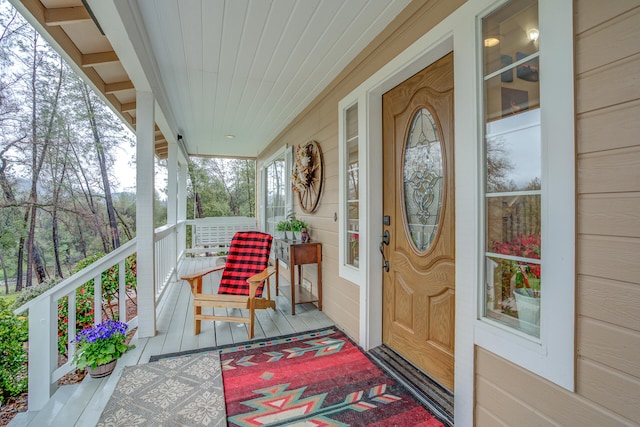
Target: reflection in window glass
{"points": [[275, 199], [513, 169], [513, 153], [353, 195]]}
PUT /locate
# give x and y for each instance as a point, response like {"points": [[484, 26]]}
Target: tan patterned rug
{"points": [[179, 391]]}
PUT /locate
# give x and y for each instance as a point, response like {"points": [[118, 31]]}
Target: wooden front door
{"points": [[419, 286]]}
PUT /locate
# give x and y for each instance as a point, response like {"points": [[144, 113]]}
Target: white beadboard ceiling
{"points": [[248, 67]]}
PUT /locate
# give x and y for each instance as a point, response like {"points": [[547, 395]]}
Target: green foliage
{"points": [[224, 187], [33, 291], [13, 360], [284, 225], [295, 224]]}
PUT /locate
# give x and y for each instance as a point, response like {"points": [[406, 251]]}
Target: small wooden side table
{"points": [[297, 254]]}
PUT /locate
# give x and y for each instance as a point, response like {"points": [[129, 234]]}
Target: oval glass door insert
{"points": [[423, 176]]}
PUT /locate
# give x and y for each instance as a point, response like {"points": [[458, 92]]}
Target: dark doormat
{"points": [[430, 393]]}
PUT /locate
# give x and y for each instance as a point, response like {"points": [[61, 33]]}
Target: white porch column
{"points": [[182, 204], [172, 190], [145, 132]]}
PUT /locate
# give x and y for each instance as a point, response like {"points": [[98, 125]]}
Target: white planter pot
{"points": [[528, 312]]}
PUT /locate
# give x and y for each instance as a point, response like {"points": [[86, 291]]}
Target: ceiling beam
{"points": [[118, 86], [66, 15], [93, 59], [129, 106], [159, 138]]}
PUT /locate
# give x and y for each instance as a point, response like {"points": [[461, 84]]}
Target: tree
{"points": [[92, 110]]}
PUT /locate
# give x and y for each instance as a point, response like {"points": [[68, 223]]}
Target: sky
{"points": [[124, 171]]}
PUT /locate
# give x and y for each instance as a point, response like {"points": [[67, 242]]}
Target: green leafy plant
{"points": [[295, 223], [101, 344], [284, 225], [13, 356], [34, 291]]}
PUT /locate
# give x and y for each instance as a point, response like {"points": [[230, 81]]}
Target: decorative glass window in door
{"points": [[512, 154], [352, 183], [423, 173]]}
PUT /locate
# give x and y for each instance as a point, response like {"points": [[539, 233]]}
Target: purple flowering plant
{"points": [[100, 344]]}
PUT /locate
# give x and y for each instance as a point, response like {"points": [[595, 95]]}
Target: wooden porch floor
{"points": [[81, 405]]}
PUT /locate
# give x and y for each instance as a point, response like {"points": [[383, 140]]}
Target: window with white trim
{"points": [[512, 166], [527, 297], [276, 194], [352, 196], [352, 217]]}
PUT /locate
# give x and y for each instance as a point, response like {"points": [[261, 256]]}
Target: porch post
{"points": [[182, 204], [172, 191], [145, 132]]}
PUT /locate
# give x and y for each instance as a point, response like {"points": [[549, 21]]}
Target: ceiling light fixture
{"points": [[533, 34], [230, 136], [491, 42]]}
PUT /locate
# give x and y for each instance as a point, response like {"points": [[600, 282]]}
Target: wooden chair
{"points": [[241, 286]]}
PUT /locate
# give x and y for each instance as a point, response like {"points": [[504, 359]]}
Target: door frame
{"points": [[454, 33]]}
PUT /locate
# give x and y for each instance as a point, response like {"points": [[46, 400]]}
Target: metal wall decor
{"points": [[423, 175], [306, 179]]}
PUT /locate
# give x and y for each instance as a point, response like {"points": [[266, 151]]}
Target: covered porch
{"points": [[81, 404]]}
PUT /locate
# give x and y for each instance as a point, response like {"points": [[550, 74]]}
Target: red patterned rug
{"points": [[319, 378]]}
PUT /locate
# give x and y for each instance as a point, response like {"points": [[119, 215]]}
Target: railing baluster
{"points": [[71, 324], [97, 299], [122, 291]]}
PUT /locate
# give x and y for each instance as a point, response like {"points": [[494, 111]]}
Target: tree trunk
{"points": [[37, 160], [4, 273], [196, 195], [113, 222], [54, 220], [39, 266], [88, 195]]}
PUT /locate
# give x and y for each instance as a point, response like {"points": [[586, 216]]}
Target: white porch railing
{"points": [[215, 233], [43, 310], [168, 251]]}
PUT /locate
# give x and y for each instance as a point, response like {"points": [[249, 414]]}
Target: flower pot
{"points": [[528, 312], [101, 371]]}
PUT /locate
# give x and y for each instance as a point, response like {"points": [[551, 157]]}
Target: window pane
{"points": [[513, 168], [275, 195], [513, 153], [510, 218], [509, 34], [352, 190], [513, 293]]}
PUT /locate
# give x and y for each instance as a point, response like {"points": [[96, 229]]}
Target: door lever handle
{"points": [[385, 241]]}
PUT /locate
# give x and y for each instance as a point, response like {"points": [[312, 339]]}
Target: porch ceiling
{"points": [[225, 67]]}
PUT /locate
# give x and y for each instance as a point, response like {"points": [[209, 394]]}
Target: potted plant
{"points": [[521, 280], [282, 227], [527, 294], [297, 226], [100, 346]]}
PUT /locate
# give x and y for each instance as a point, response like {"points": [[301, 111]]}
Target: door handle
{"points": [[385, 241]]}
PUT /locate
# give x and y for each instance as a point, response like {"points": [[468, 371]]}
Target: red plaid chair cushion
{"points": [[248, 255]]}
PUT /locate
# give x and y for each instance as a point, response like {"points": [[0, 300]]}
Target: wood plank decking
{"points": [[82, 405]]}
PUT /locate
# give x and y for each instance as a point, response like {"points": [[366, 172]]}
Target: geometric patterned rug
{"points": [[319, 378], [182, 391]]}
